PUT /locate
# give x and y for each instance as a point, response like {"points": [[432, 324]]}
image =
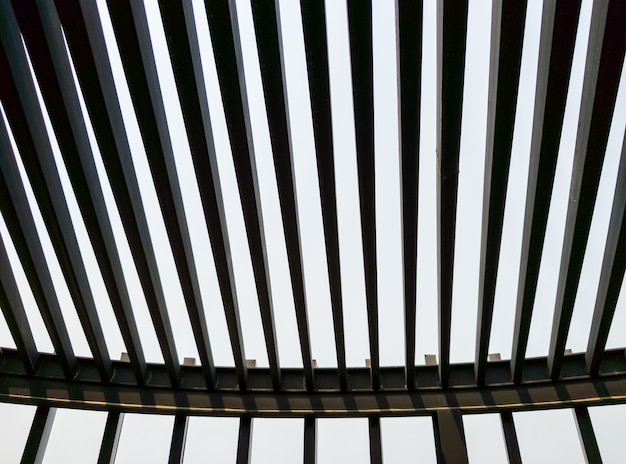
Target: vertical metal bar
{"points": [[111, 437], [586, 435], [409, 50], [267, 27], [510, 437], [182, 38], [362, 67], [603, 67], [38, 435], [376, 448], [450, 437], [507, 36], [559, 22], [451, 38], [224, 28], [244, 440], [612, 273], [310, 440], [179, 436], [316, 49]]}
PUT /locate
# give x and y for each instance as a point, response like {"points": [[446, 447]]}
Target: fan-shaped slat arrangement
{"points": [[55, 57]]}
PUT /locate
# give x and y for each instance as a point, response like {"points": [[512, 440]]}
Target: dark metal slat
{"points": [[409, 43], [181, 35], [451, 37], [179, 436], [510, 437], [361, 60], [507, 36], [130, 25], [611, 274], [310, 440], [586, 435], [244, 440], [83, 29], [450, 437], [19, 221], [13, 310], [42, 172], [72, 136], [111, 437], [605, 55], [267, 21], [558, 34], [38, 436], [15, 316], [376, 448], [224, 29], [316, 50]]}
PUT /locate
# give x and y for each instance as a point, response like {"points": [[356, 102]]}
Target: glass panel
{"points": [[408, 437], [609, 423], [145, 438], [214, 437], [342, 440], [484, 438], [548, 436], [277, 440], [15, 422], [76, 436]]}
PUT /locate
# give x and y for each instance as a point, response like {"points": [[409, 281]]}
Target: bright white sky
{"points": [[338, 438]]}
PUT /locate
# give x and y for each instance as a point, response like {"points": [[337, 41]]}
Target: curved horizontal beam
{"points": [[49, 388]]}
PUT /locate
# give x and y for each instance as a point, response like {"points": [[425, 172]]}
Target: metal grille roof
{"points": [[55, 55]]}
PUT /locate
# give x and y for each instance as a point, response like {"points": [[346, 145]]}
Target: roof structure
{"points": [[54, 57]]}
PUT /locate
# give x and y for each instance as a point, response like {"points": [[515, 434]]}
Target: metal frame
{"points": [[56, 35]]}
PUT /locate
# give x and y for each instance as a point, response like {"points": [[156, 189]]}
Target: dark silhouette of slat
{"points": [[310, 440], [180, 31], [38, 436], [558, 34], [224, 28], [376, 448], [611, 274], [13, 308], [409, 42], [316, 50], [361, 60], [450, 437], [266, 16], [451, 32], [510, 437], [605, 56], [179, 436], [507, 37], [586, 435], [111, 437], [244, 441]]}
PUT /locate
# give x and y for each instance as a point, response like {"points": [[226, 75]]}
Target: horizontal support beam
{"points": [[49, 388]]}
